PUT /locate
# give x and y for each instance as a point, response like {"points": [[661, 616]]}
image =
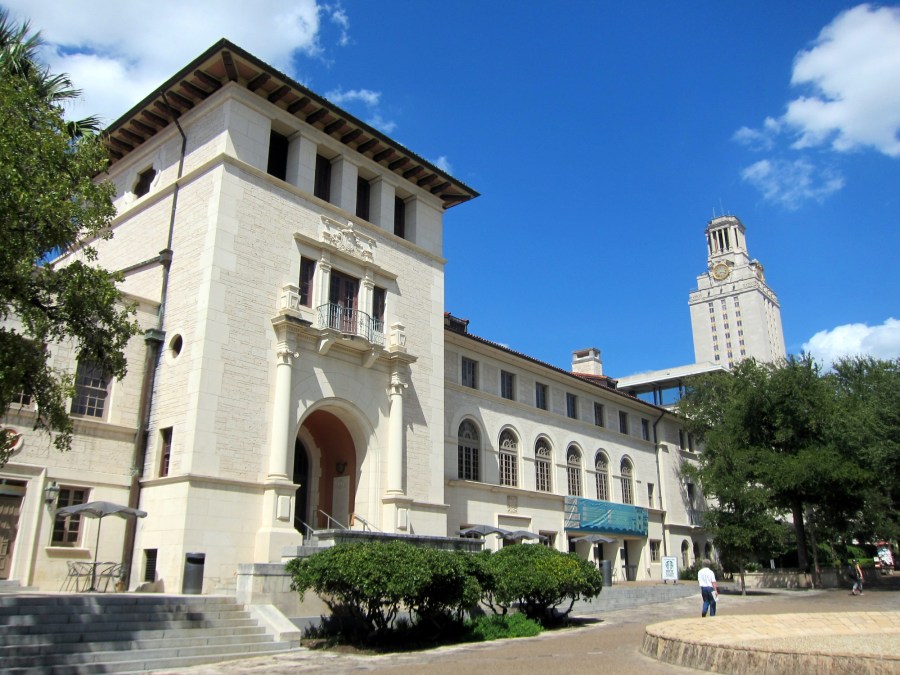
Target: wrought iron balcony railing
{"points": [[351, 322]]}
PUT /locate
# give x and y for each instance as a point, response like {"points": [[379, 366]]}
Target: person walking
{"points": [[709, 589], [856, 576]]}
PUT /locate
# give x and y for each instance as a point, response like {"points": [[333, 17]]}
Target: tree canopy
{"points": [[786, 438], [50, 202]]}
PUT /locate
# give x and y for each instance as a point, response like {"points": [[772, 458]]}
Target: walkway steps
{"points": [[121, 633]]}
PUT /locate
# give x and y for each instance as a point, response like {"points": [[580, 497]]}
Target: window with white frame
{"points": [[573, 471], [651, 497], [601, 463], [543, 465], [509, 459], [541, 396], [599, 415], [623, 422], [469, 450], [67, 529], [572, 405], [654, 550], [507, 385], [627, 476], [645, 429], [91, 390], [469, 373]]}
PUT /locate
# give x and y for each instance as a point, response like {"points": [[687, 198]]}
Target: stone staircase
{"points": [[121, 633], [628, 595]]}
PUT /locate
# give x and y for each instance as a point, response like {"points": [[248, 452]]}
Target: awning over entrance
{"points": [[593, 516]]}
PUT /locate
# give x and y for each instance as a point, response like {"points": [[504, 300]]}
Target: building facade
{"points": [[298, 372], [734, 313]]}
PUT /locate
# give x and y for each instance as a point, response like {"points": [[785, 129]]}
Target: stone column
{"points": [[395, 435], [281, 414]]}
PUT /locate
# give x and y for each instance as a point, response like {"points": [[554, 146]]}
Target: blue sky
{"points": [[602, 137]]}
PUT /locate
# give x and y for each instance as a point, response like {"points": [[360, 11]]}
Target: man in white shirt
{"points": [[709, 590]]}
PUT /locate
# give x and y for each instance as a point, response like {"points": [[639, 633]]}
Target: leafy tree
{"points": [[766, 431], [49, 201]]}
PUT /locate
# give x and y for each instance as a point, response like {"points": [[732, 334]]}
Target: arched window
{"points": [[509, 458], [573, 470], [685, 555], [543, 462], [696, 550], [708, 550], [469, 450], [627, 482], [601, 463]]}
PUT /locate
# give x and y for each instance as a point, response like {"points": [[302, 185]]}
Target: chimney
{"points": [[587, 362]]}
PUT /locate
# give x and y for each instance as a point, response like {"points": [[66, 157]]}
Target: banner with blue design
{"points": [[591, 515]]}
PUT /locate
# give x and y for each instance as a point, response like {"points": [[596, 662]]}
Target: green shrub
{"points": [[498, 627], [690, 573], [752, 567], [538, 579]]}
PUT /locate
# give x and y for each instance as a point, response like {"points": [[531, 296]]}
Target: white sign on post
{"points": [[670, 568]]}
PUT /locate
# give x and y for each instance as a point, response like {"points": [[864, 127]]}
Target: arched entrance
{"points": [[326, 469]]}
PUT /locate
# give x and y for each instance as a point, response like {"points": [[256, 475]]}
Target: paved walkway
{"points": [[820, 621]]}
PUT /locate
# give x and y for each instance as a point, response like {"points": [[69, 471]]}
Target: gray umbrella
{"points": [[595, 539], [524, 534], [99, 510], [481, 530]]}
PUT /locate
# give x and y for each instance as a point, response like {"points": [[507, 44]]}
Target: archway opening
{"points": [[335, 488]]}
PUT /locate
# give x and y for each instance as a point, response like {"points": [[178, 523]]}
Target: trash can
{"points": [[630, 572], [606, 571], [192, 581]]}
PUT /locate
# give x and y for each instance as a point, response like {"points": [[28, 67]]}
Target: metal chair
{"points": [[110, 572], [78, 576]]}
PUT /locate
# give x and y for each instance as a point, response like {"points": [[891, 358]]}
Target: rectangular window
{"points": [[623, 422], [599, 414], [165, 450], [645, 429], [507, 385], [650, 496], [322, 185], [342, 303], [542, 479], [67, 529], [509, 474], [278, 155], [399, 217], [469, 373], [362, 198], [681, 438], [379, 302], [690, 442], [91, 390], [22, 399], [654, 550], [307, 272], [150, 555], [540, 395], [572, 406], [573, 475]]}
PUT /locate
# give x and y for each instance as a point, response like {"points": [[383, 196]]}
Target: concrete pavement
{"points": [[612, 640]]}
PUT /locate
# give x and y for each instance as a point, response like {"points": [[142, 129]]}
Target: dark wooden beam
{"points": [[131, 136], [337, 125], [298, 105], [180, 100], [167, 110], [384, 154], [397, 163], [230, 68], [258, 81], [368, 145], [146, 128], [113, 152], [193, 89], [314, 117], [208, 79], [120, 143], [352, 136], [440, 188], [409, 173], [427, 180], [156, 119], [279, 93]]}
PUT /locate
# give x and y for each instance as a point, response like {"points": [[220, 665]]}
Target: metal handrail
{"points": [[352, 322], [367, 526], [340, 525]]}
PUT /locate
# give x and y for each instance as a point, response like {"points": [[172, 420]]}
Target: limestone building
{"points": [[298, 372]]}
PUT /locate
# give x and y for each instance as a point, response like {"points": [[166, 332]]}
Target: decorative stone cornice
{"points": [[346, 239]]}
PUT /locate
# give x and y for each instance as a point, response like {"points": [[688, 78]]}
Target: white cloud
{"points": [[380, 123], [851, 101], [856, 339], [367, 96], [443, 164], [791, 183], [117, 52]]}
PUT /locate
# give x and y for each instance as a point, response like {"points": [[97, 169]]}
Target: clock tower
{"points": [[734, 314]]}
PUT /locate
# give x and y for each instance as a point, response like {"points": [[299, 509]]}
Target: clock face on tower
{"points": [[720, 271]]}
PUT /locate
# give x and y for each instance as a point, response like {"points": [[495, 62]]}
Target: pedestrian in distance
{"points": [[856, 576], [709, 589]]}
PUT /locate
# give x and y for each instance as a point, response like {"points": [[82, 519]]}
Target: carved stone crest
{"points": [[346, 239]]}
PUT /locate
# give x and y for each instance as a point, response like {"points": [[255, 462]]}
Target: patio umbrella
{"points": [[99, 510], [595, 539], [523, 534], [481, 530]]}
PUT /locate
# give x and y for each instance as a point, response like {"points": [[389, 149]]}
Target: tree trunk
{"points": [[802, 559], [816, 575], [741, 564]]}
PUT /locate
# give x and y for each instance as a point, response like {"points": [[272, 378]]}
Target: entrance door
{"points": [[342, 298], [10, 507], [301, 478]]}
